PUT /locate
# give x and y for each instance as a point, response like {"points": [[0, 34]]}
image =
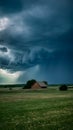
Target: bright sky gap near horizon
{"points": [[36, 41]]}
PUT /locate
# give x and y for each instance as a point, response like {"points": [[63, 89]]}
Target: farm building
{"points": [[39, 85]]}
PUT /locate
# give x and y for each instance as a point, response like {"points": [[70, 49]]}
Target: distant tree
{"points": [[45, 82], [63, 87], [29, 84]]}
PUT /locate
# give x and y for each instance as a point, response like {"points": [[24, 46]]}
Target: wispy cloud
{"points": [[4, 22]]}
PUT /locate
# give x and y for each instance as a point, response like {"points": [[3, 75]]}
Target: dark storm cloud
{"points": [[14, 6], [3, 49], [26, 59], [4, 62], [10, 6], [38, 35]]}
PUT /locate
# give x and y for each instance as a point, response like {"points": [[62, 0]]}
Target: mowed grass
{"points": [[47, 109]]}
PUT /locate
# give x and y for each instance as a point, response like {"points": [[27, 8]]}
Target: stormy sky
{"points": [[36, 41]]}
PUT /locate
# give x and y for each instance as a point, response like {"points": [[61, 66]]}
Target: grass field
{"points": [[48, 109]]}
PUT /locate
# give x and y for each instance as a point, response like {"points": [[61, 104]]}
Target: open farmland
{"points": [[47, 109]]}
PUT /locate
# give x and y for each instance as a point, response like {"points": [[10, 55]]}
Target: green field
{"points": [[48, 109]]}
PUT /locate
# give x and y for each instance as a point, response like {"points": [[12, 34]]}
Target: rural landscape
{"points": [[36, 65], [36, 109]]}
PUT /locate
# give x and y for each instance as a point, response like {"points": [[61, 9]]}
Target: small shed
{"points": [[39, 85]]}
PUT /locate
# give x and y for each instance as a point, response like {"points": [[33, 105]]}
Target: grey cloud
{"points": [[26, 59], [40, 16], [4, 62], [40, 34], [3, 49], [10, 6]]}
